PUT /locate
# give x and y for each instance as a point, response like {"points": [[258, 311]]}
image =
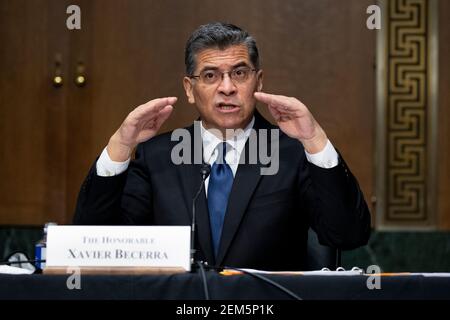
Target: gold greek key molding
{"points": [[406, 109]]}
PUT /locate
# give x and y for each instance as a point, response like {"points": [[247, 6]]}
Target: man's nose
{"points": [[226, 86]]}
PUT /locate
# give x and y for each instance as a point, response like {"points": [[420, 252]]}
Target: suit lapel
{"points": [[244, 185]]}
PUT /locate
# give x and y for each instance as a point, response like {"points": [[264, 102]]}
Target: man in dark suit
{"points": [[245, 217]]}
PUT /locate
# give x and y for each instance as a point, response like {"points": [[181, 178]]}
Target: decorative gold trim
{"points": [[406, 115]]}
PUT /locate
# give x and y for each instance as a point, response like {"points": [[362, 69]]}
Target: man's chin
{"points": [[235, 121], [233, 124]]}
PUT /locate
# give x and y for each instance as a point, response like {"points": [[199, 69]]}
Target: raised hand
{"points": [[140, 125], [295, 120]]}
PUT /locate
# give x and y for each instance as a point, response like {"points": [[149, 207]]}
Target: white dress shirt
{"points": [[327, 158], [235, 145]]}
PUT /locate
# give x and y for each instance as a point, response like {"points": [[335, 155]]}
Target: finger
{"points": [[157, 105], [150, 109], [162, 102], [282, 110], [277, 101], [159, 118], [163, 115]]}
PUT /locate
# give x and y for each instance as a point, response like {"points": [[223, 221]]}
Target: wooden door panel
{"points": [[32, 112]]}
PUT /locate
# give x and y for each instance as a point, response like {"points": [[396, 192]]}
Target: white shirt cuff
{"points": [[108, 168], [327, 158]]}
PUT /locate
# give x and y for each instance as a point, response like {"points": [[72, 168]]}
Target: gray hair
{"points": [[218, 35]]}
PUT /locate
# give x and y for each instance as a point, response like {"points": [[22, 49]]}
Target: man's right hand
{"points": [[140, 125]]}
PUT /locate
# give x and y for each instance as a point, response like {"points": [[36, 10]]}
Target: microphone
{"points": [[204, 171]]}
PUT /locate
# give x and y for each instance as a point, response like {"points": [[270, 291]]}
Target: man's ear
{"points": [[189, 89], [259, 80]]}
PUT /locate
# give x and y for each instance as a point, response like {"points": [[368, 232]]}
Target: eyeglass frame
{"points": [[222, 74]]}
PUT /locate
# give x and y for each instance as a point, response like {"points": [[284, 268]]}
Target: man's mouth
{"points": [[227, 107]]}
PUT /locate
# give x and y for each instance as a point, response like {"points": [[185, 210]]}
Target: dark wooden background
{"points": [[316, 50]]}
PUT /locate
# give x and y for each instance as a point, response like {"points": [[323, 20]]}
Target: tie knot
{"points": [[222, 151]]}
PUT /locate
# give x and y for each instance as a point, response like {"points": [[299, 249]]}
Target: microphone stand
{"points": [[204, 171]]}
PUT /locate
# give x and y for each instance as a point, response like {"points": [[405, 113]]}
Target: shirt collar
{"points": [[237, 142]]}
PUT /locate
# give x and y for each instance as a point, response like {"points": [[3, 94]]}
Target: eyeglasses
{"points": [[213, 76]]}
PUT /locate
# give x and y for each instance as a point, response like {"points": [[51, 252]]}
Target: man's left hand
{"points": [[295, 120]]}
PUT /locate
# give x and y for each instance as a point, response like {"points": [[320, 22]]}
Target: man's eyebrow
{"points": [[241, 64], [209, 68], [237, 65]]}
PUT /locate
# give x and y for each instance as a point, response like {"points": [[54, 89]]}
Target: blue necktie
{"points": [[219, 187]]}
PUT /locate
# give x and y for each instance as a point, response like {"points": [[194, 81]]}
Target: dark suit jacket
{"points": [[267, 216]]}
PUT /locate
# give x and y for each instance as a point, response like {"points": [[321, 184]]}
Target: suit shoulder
{"points": [[157, 141]]}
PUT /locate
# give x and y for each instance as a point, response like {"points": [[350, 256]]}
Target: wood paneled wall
{"points": [[319, 51]]}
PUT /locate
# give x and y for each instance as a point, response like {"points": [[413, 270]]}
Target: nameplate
{"points": [[119, 246]]}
